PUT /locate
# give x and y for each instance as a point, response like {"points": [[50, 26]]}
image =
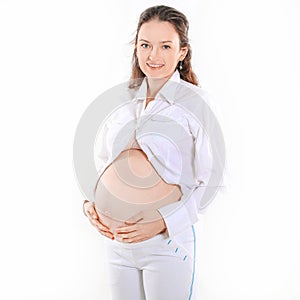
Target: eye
{"points": [[166, 47], [144, 46]]}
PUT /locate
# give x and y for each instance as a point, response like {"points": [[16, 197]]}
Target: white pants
{"points": [[159, 268]]}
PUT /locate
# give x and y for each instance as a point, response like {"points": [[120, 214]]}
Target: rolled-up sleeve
{"points": [[101, 152], [180, 215]]}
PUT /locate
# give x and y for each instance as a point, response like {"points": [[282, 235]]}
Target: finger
{"points": [[89, 210], [134, 219], [92, 213], [107, 234], [135, 239], [127, 235], [99, 225], [127, 239], [126, 229]]}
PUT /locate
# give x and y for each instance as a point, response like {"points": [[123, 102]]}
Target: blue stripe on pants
{"points": [[191, 290]]}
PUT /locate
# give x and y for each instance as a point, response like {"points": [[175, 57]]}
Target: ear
{"points": [[183, 52]]}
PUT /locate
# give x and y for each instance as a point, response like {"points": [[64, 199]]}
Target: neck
{"points": [[154, 85]]}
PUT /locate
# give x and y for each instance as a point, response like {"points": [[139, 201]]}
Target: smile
{"points": [[155, 66]]}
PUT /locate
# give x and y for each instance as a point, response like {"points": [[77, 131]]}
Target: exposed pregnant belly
{"points": [[130, 184]]}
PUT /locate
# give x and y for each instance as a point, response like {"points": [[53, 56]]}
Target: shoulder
{"points": [[192, 95], [198, 101]]}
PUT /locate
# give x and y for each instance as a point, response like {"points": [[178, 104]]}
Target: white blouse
{"points": [[175, 132]]}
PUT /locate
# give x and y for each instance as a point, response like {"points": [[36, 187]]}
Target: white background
{"points": [[58, 56]]}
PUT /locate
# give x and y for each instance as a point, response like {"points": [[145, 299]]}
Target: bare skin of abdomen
{"points": [[129, 185]]}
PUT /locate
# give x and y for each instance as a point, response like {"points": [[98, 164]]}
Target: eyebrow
{"points": [[162, 42]]}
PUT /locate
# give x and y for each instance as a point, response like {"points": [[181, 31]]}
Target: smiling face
{"points": [[158, 49]]}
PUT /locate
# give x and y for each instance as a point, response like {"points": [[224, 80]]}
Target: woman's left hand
{"points": [[141, 226]]}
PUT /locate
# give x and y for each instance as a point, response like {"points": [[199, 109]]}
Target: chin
{"points": [[153, 73], [157, 74]]}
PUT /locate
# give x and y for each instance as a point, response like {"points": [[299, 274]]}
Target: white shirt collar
{"points": [[167, 92]]}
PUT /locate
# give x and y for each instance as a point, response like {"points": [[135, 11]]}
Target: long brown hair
{"points": [[165, 13]]}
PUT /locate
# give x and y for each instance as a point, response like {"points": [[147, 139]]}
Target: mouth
{"points": [[155, 66]]}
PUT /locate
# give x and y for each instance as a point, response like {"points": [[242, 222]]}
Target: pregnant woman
{"points": [[154, 157]]}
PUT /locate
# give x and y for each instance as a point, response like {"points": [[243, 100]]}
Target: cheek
{"points": [[172, 58], [141, 55]]}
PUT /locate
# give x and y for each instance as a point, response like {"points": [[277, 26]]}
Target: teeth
{"points": [[155, 66]]}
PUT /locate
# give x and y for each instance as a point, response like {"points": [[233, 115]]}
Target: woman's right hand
{"points": [[90, 211]]}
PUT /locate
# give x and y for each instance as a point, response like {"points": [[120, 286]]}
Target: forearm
{"points": [[179, 216]]}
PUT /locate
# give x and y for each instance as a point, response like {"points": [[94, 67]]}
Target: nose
{"points": [[153, 53]]}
